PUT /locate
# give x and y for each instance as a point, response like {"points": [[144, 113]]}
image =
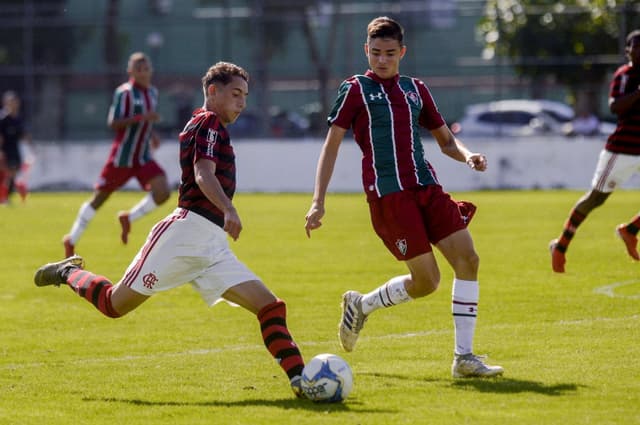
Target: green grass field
{"points": [[570, 351]]}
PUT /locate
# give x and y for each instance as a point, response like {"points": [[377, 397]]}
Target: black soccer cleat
{"points": [[52, 273]]}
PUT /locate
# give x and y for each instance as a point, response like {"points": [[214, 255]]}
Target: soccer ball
{"points": [[327, 378]]}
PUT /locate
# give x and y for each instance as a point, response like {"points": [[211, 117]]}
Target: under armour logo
{"points": [[149, 280], [375, 96], [402, 246]]}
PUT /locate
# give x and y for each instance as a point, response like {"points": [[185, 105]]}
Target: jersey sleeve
{"points": [[430, 117], [345, 107], [207, 140], [120, 107], [617, 86]]}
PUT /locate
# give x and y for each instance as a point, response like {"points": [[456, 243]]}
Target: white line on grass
{"points": [[610, 290], [259, 347]]}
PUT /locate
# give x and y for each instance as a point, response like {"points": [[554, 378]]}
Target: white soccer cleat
{"points": [[472, 366], [352, 320]]}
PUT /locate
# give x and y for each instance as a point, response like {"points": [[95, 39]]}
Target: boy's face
{"points": [[141, 72], [230, 100], [633, 51], [384, 56]]}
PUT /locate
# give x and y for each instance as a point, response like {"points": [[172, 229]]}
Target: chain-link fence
{"points": [[65, 57]]}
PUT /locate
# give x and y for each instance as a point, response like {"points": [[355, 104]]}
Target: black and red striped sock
{"points": [[278, 340], [569, 230], [634, 226], [95, 289]]}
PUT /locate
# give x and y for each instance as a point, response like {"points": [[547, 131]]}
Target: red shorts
{"points": [[112, 178], [408, 222]]}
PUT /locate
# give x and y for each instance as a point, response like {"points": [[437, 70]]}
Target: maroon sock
{"points": [[278, 340], [95, 289]]}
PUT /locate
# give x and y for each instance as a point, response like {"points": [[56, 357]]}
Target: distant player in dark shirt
{"points": [[191, 244], [618, 161], [12, 133]]}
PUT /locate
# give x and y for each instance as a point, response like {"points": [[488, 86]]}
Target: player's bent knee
{"points": [[423, 287]]}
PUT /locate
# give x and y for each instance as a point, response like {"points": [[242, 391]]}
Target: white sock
{"points": [[391, 293], [464, 305], [85, 215], [145, 206]]}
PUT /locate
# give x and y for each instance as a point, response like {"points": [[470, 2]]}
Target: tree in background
{"points": [[576, 42]]}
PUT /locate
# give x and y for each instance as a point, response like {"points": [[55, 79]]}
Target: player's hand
{"points": [[232, 223], [477, 161], [313, 217], [151, 116]]}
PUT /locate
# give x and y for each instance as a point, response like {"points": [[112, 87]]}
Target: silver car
{"points": [[519, 117]]}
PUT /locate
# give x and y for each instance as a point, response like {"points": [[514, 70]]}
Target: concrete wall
{"points": [[289, 166]]}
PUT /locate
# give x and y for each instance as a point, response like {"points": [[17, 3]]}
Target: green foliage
{"points": [[570, 352], [567, 40]]}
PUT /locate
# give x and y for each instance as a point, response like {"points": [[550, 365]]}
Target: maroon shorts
{"points": [[408, 222], [112, 178]]}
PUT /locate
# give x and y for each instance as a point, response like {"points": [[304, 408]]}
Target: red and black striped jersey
{"points": [[386, 116], [626, 137], [131, 147], [204, 137]]}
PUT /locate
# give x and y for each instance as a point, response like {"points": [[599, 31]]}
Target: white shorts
{"points": [[613, 170], [186, 248]]}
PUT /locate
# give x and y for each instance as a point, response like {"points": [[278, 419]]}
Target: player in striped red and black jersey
{"points": [[191, 244], [205, 136], [131, 115], [409, 210], [618, 161]]}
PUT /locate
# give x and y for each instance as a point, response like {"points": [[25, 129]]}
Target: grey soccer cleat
{"points": [[52, 273], [352, 320], [470, 366], [296, 386]]}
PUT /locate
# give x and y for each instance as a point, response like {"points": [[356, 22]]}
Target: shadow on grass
{"points": [[512, 386], [499, 385], [281, 403]]}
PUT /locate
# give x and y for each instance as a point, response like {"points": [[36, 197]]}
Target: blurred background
{"points": [[65, 57]]}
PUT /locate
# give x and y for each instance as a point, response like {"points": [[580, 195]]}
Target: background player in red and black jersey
{"points": [[131, 116], [191, 244], [12, 133], [618, 161]]}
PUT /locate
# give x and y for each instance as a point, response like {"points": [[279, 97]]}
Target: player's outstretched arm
{"points": [[454, 148], [324, 171]]}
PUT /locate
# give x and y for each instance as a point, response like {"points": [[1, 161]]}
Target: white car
{"points": [[513, 118]]}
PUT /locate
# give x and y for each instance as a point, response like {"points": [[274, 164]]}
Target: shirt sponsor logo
{"points": [[212, 138]]}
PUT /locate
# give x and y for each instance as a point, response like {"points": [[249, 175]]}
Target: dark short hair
{"points": [[223, 72], [632, 35], [385, 27]]}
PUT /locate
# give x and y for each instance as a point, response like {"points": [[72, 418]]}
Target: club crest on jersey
{"points": [[149, 280], [377, 96], [413, 97], [402, 246]]}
